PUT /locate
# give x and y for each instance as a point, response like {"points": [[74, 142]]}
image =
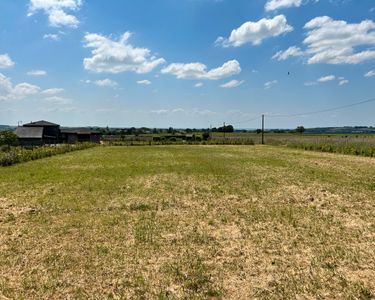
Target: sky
{"points": [[187, 63]]}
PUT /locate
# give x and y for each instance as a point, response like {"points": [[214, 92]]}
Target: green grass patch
{"points": [[188, 222]]}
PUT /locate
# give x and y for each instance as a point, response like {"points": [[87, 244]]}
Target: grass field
{"points": [[172, 222]]}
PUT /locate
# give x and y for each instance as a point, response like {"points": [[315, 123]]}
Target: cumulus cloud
{"points": [[291, 51], [58, 100], [51, 36], [270, 84], [232, 84], [6, 61], [117, 56], [255, 32], [199, 70], [56, 11], [335, 42], [343, 81], [370, 73], [277, 4], [198, 85], [52, 91], [105, 82], [19, 91], [310, 83], [144, 82], [37, 73], [327, 78]]}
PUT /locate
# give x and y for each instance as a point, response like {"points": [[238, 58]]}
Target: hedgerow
{"points": [[20, 154]]}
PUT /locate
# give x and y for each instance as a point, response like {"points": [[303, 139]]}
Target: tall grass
{"points": [[20, 154], [362, 146]]}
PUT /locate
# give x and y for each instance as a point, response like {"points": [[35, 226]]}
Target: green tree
{"points": [[8, 138], [300, 129], [206, 135]]}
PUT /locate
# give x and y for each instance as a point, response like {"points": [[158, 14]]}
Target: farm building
{"points": [[74, 135], [44, 132], [30, 136], [37, 133]]}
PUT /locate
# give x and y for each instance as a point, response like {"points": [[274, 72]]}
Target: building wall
{"points": [[30, 142]]}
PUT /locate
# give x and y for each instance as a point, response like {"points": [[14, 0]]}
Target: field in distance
{"points": [[181, 221]]}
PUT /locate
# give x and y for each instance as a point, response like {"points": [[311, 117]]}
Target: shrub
{"points": [[19, 154]]}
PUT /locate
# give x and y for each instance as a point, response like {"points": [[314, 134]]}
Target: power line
{"points": [[304, 114], [323, 110]]}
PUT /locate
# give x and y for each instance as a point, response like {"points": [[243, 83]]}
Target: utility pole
{"points": [[224, 130], [263, 129]]}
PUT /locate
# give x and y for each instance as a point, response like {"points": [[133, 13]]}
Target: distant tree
{"points": [[227, 128], [188, 130], [300, 129], [258, 131], [171, 130], [206, 135], [8, 137]]}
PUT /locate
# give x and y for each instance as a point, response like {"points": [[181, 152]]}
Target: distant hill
{"points": [[6, 127]]}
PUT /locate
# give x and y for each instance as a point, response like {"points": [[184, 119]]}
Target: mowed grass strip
{"points": [[172, 222]]}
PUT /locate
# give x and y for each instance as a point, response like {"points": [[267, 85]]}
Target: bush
{"points": [[19, 154]]}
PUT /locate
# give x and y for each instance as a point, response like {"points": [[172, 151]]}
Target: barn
{"points": [[74, 135], [38, 133], [30, 136], [44, 132]]}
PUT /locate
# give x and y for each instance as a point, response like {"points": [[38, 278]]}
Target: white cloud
{"points": [[144, 82], [24, 90], [310, 83], [335, 42], [255, 32], [51, 36], [232, 84], [198, 85], [343, 81], [327, 78], [291, 51], [277, 4], [58, 109], [53, 91], [331, 41], [270, 84], [37, 73], [370, 73], [193, 111], [6, 61], [56, 11], [19, 91], [199, 70], [160, 111], [58, 100], [105, 82], [117, 56]]}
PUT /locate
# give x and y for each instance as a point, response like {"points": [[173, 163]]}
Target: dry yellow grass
{"points": [[174, 222]]}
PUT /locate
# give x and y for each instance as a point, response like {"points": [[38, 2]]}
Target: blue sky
{"points": [[187, 63]]}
